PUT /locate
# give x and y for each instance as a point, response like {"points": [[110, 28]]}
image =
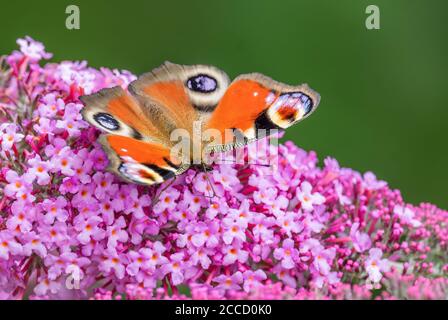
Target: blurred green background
{"points": [[383, 91]]}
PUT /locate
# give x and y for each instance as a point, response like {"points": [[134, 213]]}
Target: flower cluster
{"points": [[70, 229], [399, 286]]}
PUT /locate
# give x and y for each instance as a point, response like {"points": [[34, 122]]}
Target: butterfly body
{"points": [[176, 116]]}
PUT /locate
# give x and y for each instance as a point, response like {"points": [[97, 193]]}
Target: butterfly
{"points": [[188, 102]]}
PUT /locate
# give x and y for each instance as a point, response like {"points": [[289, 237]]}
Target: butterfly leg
{"points": [[209, 182]]}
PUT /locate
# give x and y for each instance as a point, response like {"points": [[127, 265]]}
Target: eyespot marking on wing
{"points": [[202, 83], [139, 173], [289, 108], [106, 121], [194, 89]]}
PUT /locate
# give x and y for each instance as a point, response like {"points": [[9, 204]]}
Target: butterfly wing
{"points": [[139, 161], [137, 150], [255, 101], [183, 93]]}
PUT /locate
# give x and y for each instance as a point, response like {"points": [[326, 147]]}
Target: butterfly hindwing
{"points": [[137, 149], [139, 161]]}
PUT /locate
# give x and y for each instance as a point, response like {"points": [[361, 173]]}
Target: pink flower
{"points": [[63, 161], [323, 259], [137, 261], [33, 49], [234, 229], [262, 229], [40, 170], [84, 195], [279, 206], [227, 177], [361, 240], [285, 276], [240, 215], [55, 147], [229, 282], [175, 267], [69, 185], [9, 136], [45, 285], [287, 254], [55, 234], [113, 263], [205, 185], [8, 246], [233, 253], [18, 185], [34, 244], [88, 229], [375, 265], [331, 278], [83, 168], [288, 222], [215, 208], [104, 184], [201, 256], [49, 106], [167, 201], [107, 211], [99, 159], [156, 254], [208, 236], [144, 262], [133, 203], [372, 183], [253, 279], [266, 196], [58, 265], [115, 233], [55, 209], [406, 215], [44, 126], [307, 198], [22, 219], [343, 200], [194, 203]]}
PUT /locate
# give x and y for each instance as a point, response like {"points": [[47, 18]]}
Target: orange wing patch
{"points": [[116, 112], [242, 103], [142, 152], [169, 94], [139, 161], [287, 113], [172, 96], [255, 101], [126, 109]]}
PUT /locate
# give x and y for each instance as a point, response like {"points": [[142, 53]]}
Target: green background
{"points": [[384, 91]]}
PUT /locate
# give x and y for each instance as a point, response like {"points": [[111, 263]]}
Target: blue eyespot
{"points": [[202, 83], [305, 101], [107, 121]]}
